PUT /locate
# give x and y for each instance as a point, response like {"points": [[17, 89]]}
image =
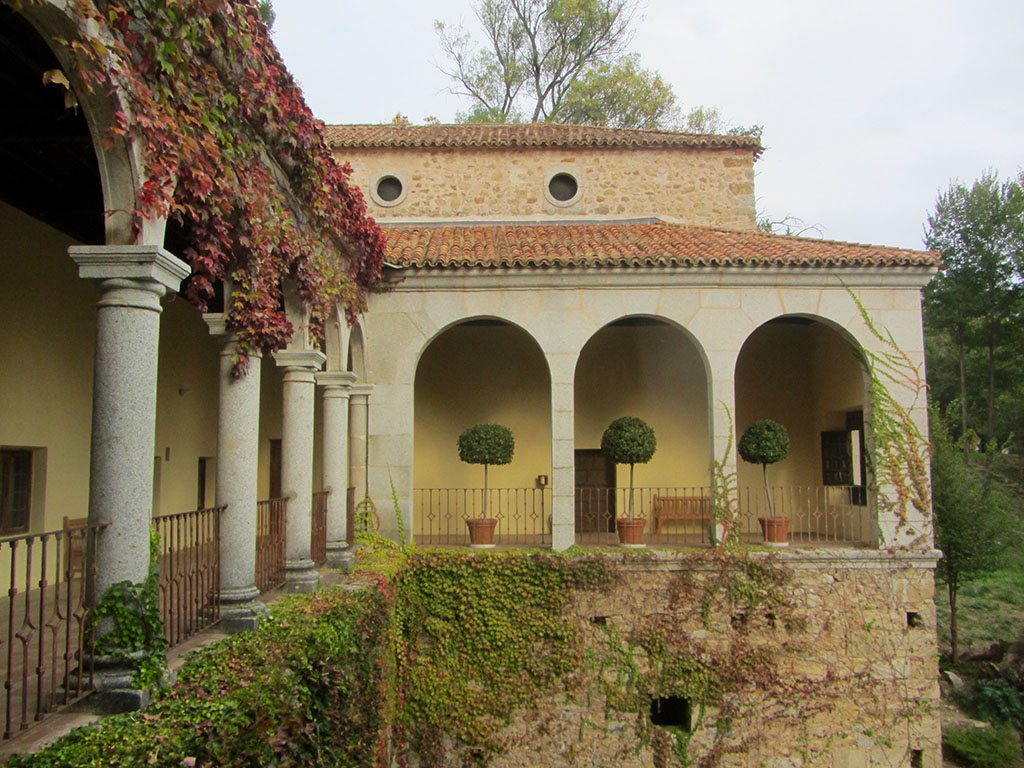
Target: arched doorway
{"points": [[482, 370], [806, 374], [649, 368]]}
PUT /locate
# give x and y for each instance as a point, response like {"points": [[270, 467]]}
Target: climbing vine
{"points": [[231, 153], [132, 629], [899, 461]]}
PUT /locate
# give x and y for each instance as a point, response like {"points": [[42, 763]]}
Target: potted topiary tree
{"points": [[629, 440], [485, 444], [766, 442]]}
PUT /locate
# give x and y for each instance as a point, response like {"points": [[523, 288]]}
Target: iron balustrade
{"points": [[318, 542], [271, 523], [49, 637], [523, 515], [189, 564], [681, 516]]}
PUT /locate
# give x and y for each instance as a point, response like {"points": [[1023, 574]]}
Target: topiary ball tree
{"points": [[487, 444], [764, 442], [629, 440]]}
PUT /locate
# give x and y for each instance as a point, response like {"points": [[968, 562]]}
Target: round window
{"points": [[389, 189], [563, 187]]}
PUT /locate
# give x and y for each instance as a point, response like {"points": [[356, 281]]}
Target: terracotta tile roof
{"points": [[644, 242], [523, 135]]}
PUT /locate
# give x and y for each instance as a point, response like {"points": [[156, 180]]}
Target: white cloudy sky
{"points": [[869, 107]]}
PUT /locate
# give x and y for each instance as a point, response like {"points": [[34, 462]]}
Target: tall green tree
{"points": [[556, 60], [974, 305], [974, 521]]}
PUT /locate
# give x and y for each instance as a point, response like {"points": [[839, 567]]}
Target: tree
{"points": [[973, 524], [555, 60], [267, 13], [975, 302], [764, 442], [629, 440], [487, 444]]}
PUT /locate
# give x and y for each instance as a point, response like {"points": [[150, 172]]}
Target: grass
{"points": [[991, 610]]}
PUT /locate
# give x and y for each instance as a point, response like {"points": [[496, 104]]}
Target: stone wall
{"points": [[850, 635], [708, 187]]}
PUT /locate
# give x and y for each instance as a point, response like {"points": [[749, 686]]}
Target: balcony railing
{"points": [[523, 515], [681, 516], [318, 542], [271, 521], [189, 564], [48, 629]]}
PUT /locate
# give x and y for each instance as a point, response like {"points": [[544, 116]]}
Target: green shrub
{"points": [[999, 701], [629, 440], [982, 747], [487, 444], [310, 687], [764, 442]]}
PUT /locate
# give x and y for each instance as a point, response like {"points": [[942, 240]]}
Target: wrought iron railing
{"points": [[48, 640], [350, 515], [676, 516], [189, 565], [523, 515], [682, 516], [271, 522], [318, 538]]}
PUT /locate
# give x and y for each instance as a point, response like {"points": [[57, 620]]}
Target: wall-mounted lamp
{"points": [[542, 481]]}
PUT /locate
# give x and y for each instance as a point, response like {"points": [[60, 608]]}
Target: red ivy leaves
{"points": [[221, 122]]}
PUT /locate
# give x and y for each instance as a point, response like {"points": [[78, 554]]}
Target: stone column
{"points": [[722, 365], [238, 428], [359, 441], [132, 279], [563, 473], [335, 452], [300, 367]]}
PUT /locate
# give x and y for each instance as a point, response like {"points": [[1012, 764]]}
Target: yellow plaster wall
{"points": [[706, 187], [656, 373], [471, 375], [806, 377], [47, 341], [186, 419], [271, 392]]}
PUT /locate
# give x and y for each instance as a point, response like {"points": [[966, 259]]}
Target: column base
{"points": [[241, 610], [114, 690], [301, 577], [340, 556]]}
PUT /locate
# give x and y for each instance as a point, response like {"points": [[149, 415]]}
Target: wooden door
{"points": [[595, 492]]}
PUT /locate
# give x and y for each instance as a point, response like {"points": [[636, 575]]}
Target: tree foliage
{"points": [[764, 442], [555, 60], [486, 444], [974, 306], [974, 525], [629, 440]]}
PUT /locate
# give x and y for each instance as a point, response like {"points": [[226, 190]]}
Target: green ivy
{"points": [[133, 629]]}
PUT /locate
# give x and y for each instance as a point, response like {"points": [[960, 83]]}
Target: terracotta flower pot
{"points": [[631, 532], [775, 531], [481, 532]]}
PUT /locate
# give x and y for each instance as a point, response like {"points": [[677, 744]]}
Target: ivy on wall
{"points": [[233, 154]]}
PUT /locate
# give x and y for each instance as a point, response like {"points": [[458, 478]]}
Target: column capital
{"points": [[335, 379], [308, 359], [361, 390], [218, 325], [143, 265]]}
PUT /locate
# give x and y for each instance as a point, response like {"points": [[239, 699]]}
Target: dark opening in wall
{"points": [[671, 710], [917, 758], [389, 189], [914, 620], [563, 187], [599, 621]]}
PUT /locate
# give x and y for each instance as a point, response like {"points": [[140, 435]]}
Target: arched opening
{"points": [[651, 369], [477, 372], [357, 353], [806, 375]]}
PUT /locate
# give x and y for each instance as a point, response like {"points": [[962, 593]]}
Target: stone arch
{"points": [[481, 370], [119, 159], [651, 367], [805, 371], [356, 352]]}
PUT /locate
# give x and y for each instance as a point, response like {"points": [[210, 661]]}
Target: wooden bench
{"points": [[686, 508]]}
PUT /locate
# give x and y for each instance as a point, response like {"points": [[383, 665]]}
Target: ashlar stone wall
{"points": [[790, 661], [707, 187]]}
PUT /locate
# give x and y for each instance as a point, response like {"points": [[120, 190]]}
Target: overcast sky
{"points": [[869, 107]]}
